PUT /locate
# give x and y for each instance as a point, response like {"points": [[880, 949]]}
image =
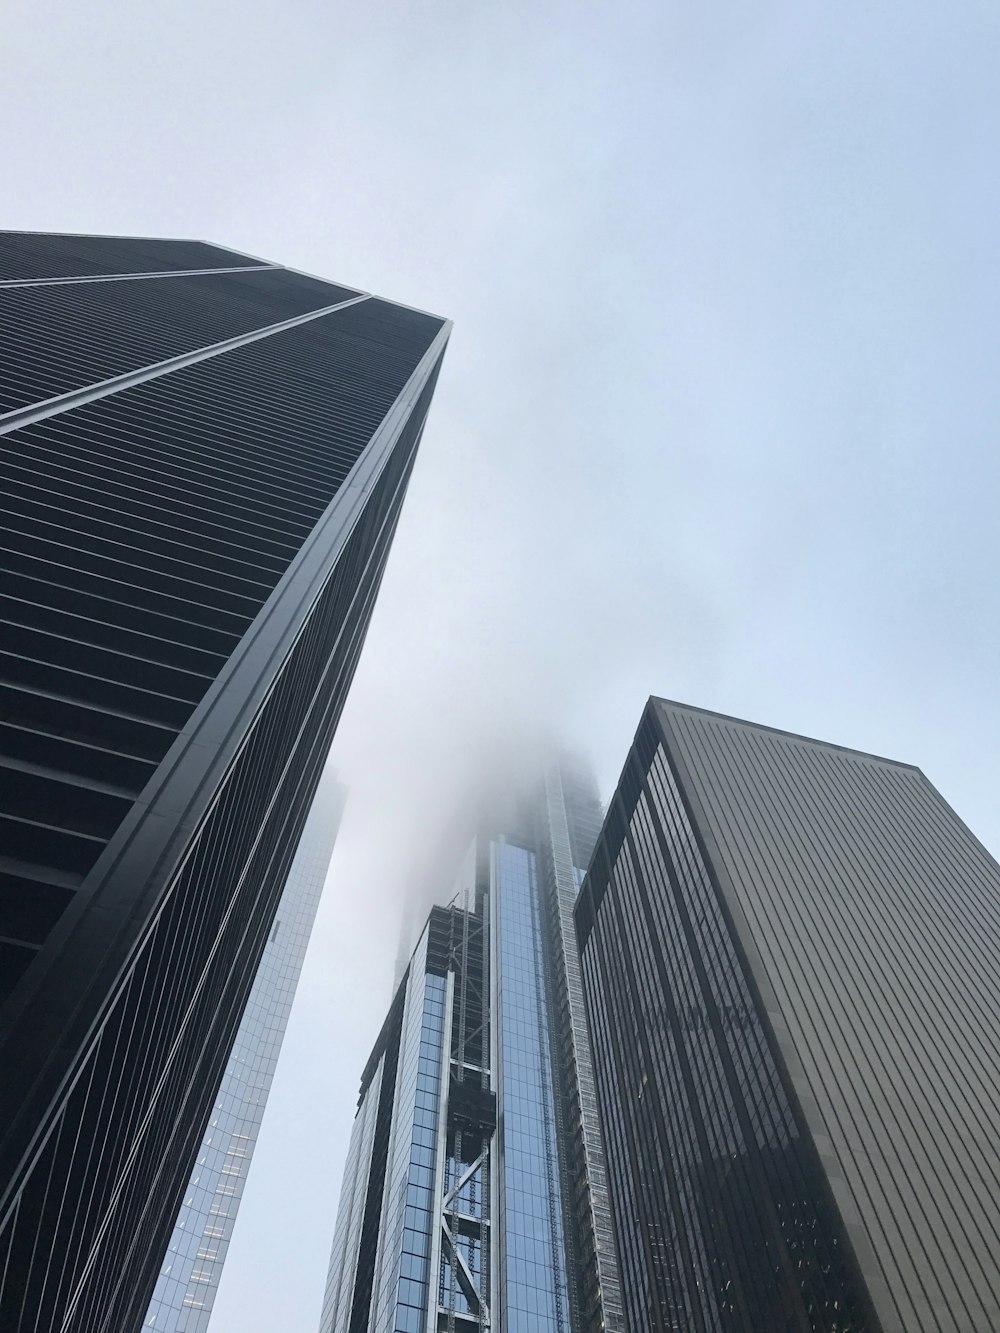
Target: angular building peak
{"points": [[670, 709]]}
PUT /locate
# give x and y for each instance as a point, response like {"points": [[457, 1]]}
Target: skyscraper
{"points": [[474, 1195], [790, 964], [192, 1266], [204, 458]]}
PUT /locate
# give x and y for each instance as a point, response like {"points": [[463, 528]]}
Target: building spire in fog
{"points": [[474, 1194]]}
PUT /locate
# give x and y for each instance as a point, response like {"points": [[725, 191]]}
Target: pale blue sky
{"points": [[718, 421]]}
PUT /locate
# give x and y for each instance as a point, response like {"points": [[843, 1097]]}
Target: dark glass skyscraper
{"points": [[192, 1266], [790, 956], [203, 461], [474, 1195]]}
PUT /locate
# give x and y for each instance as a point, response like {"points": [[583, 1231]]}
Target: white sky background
{"points": [[718, 419]]}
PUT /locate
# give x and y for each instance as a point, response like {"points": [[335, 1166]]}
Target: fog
{"points": [[717, 420]]}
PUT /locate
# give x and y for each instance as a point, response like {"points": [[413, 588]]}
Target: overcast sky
{"points": [[718, 419]]}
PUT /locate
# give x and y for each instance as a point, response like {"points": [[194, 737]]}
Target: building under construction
{"points": [[474, 1195]]}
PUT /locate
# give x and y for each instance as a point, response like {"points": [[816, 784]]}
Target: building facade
{"points": [[474, 1195], [203, 458], [192, 1266], [789, 954]]}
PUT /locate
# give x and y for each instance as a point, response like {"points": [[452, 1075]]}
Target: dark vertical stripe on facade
{"points": [[662, 1217], [760, 1204], [372, 1217]]}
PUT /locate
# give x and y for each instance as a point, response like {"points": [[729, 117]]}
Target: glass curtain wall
{"points": [[192, 1266]]}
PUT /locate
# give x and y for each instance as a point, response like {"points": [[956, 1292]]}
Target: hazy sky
{"points": [[718, 419]]}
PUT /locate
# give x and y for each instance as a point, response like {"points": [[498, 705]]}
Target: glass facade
{"points": [[477, 1200], [400, 1299], [387, 1206], [192, 1266], [532, 1246], [784, 943], [339, 1297]]}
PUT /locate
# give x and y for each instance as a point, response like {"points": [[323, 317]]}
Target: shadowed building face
{"points": [[790, 958], [203, 458]]}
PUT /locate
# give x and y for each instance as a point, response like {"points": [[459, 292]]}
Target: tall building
{"points": [[192, 1266], [203, 461], [474, 1195], [790, 955]]}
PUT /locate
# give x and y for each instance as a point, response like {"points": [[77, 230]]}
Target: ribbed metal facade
{"points": [[201, 475], [475, 1195], [790, 959]]}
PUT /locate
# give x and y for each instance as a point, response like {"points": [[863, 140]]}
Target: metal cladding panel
{"points": [[723, 1220], [187, 580], [37, 254], [83, 1243], [112, 328], [871, 917], [142, 533]]}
